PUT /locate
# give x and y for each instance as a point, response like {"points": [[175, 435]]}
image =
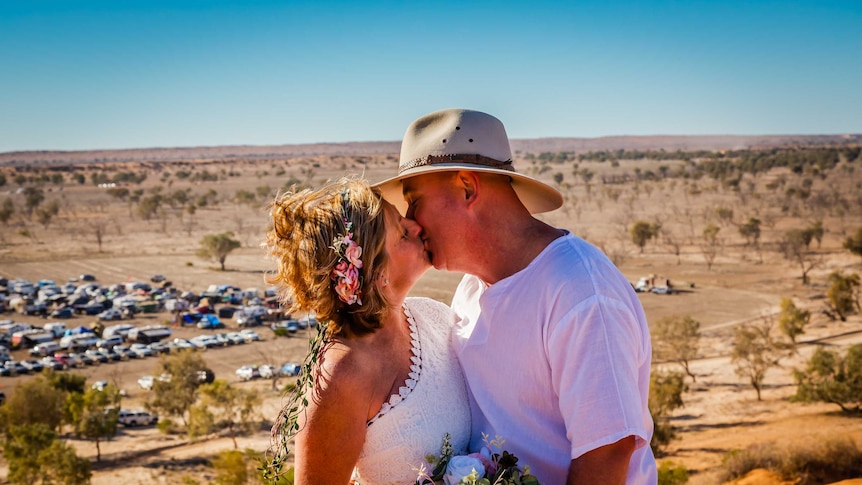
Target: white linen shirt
{"points": [[557, 360]]}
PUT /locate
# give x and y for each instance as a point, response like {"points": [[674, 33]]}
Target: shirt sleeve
{"points": [[595, 352]]}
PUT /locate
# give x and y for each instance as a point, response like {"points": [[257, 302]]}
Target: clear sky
{"points": [[149, 73]]}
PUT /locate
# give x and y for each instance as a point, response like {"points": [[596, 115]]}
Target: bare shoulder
{"points": [[347, 369]]}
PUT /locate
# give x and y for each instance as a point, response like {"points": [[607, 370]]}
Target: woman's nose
{"points": [[413, 227]]}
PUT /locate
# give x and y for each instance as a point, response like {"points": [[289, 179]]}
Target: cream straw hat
{"points": [[462, 139]]}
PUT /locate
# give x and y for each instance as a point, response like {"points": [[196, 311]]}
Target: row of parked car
{"points": [[267, 371]]}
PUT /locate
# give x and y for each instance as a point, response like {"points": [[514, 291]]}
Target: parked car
{"points": [[285, 327], [248, 372], [136, 418], [64, 312], [141, 350], [205, 341], [52, 363], [290, 369], [97, 356], [33, 365], [662, 290], [236, 337], [267, 371], [159, 348], [111, 314], [157, 278], [87, 277], [146, 382], [100, 385], [249, 335]]}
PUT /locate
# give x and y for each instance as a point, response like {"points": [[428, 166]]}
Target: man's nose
{"points": [[413, 227]]}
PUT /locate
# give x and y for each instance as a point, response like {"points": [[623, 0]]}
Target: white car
{"points": [[249, 335], [267, 371], [141, 350], [146, 382], [136, 418], [248, 372]]}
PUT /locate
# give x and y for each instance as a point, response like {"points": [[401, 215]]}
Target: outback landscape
{"points": [[718, 229]]}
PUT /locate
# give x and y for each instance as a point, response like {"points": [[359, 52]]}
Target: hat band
{"points": [[471, 159]]}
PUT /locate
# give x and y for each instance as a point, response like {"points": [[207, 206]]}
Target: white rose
{"points": [[461, 466]]}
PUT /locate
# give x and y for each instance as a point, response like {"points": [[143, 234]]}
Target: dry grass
{"points": [[818, 462]]}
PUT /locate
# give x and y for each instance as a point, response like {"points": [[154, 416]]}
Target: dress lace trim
{"points": [[415, 371]]}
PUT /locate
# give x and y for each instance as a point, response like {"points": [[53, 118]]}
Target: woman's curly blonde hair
{"points": [[305, 223]]}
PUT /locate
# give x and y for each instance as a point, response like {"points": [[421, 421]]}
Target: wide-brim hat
{"points": [[462, 139]]}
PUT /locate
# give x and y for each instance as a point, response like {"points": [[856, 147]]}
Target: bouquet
{"points": [[491, 466]]}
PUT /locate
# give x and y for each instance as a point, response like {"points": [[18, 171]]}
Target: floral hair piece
{"points": [[345, 275]]}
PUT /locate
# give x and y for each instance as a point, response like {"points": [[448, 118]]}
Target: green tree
{"points": [[842, 295], [217, 246], [671, 473], [794, 245], [792, 320], [149, 206], [6, 210], [676, 339], [832, 378], [642, 232], [854, 243], [175, 395], [755, 351], [36, 456], [33, 197], [46, 213], [751, 231], [229, 407], [231, 468], [710, 244], [665, 395], [36, 401], [817, 231], [94, 414]]}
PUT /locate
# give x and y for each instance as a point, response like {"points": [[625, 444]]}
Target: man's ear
{"points": [[468, 185]]}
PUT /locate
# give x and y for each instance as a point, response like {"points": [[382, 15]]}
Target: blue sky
{"points": [[133, 74]]}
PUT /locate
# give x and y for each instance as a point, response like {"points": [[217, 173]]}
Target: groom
{"points": [[553, 341]]}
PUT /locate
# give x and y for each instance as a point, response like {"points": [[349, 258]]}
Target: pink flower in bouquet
{"points": [[485, 457]]}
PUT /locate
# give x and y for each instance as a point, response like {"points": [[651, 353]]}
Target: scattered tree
{"points": [[175, 395], [832, 378], [794, 245], [852, 243], [94, 414], [676, 339], [35, 455], [755, 351], [665, 395], [8, 208], [641, 233], [710, 244], [842, 295], [36, 401], [223, 405], [217, 246], [792, 320], [33, 197]]}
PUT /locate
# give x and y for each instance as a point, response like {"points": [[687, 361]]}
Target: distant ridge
{"points": [[536, 145]]}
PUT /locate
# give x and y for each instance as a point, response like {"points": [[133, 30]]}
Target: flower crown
{"points": [[345, 275]]}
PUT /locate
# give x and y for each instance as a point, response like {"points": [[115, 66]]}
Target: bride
{"points": [[384, 386]]}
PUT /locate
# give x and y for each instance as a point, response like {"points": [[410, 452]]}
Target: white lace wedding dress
{"points": [[431, 403]]}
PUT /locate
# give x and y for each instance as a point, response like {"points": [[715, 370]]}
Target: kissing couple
{"points": [[544, 352]]}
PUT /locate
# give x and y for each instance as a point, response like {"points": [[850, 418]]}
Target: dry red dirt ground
{"points": [[721, 412]]}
